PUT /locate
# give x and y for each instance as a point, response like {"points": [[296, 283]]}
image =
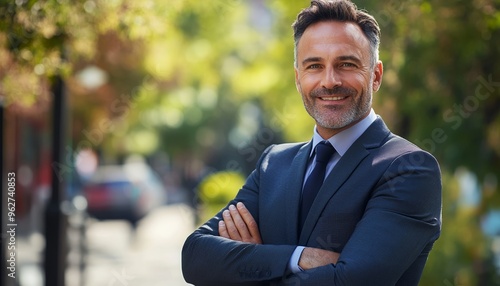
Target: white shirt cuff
{"points": [[293, 264]]}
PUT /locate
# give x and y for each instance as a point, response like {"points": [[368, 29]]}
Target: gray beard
{"points": [[350, 116], [354, 114]]}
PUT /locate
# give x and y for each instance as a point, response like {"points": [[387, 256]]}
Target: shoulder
{"points": [[285, 148], [283, 153], [401, 155], [387, 148], [399, 145], [379, 139]]}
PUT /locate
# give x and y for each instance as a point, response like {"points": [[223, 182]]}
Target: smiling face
{"points": [[335, 75]]}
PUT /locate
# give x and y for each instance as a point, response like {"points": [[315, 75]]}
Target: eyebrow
{"points": [[341, 58], [311, 60], [350, 58]]}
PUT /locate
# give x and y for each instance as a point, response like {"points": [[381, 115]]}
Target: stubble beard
{"points": [[342, 116]]}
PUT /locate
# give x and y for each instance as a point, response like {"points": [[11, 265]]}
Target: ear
{"points": [[378, 72], [297, 83]]}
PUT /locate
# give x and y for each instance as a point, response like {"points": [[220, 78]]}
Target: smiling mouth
{"points": [[333, 98]]}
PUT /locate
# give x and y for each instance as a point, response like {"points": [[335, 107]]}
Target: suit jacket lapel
{"points": [[293, 191], [372, 138], [332, 183]]}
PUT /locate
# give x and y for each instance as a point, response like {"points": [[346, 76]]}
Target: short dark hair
{"points": [[337, 10]]}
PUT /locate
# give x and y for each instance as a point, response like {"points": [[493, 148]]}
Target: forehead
{"points": [[333, 36]]}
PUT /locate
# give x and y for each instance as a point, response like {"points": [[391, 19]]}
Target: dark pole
{"points": [[55, 220]]}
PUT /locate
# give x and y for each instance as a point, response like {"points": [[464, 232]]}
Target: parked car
{"points": [[126, 191]]}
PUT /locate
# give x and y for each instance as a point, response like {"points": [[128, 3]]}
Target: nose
{"points": [[331, 79]]}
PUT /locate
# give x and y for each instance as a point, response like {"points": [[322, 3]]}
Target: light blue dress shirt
{"points": [[341, 141]]}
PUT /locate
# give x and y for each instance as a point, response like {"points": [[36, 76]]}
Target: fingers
{"points": [[315, 257], [238, 224], [223, 230], [250, 222], [231, 227]]}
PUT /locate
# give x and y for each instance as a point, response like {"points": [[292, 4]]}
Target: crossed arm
{"points": [[239, 225], [389, 245]]}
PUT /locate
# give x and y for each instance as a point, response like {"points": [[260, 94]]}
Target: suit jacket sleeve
{"points": [[208, 259], [390, 244]]}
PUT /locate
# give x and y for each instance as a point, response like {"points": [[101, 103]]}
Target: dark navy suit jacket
{"points": [[380, 207]]}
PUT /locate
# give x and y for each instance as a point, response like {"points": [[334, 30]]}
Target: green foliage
{"points": [[444, 79], [463, 254], [216, 190], [220, 187]]}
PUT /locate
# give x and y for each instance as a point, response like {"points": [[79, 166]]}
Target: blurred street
{"points": [[118, 256]]}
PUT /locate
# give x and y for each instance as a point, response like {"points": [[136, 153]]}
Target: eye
{"points": [[314, 66], [348, 65]]}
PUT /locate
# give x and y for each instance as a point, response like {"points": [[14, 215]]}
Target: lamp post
{"points": [[55, 220]]}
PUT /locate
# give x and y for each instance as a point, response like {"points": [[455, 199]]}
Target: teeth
{"points": [[334, 98]]}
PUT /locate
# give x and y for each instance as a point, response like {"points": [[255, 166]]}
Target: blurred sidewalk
{"points": [[119, 256], [150, 256]]}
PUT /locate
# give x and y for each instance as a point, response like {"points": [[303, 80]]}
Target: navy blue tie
{"points": [[324, 152]]}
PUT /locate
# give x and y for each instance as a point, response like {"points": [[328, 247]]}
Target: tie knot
{"points": [[324, 151]]}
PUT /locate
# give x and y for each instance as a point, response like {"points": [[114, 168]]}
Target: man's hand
{"points": [[315, 257], [238, 224]]}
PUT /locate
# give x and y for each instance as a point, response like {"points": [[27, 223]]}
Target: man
{"points": [[375, 217]]}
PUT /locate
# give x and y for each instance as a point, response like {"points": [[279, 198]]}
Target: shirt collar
{"points": [[343, 140]]}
